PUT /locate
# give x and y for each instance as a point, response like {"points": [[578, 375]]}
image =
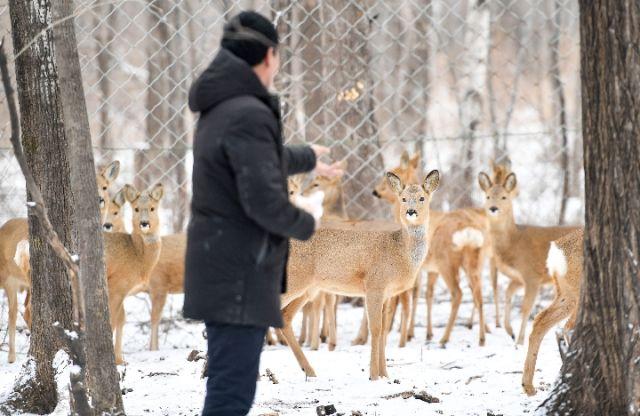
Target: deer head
{"points": [[145, 208], [105, 177], [114, 218], [332, 187], [413, 199], [407, 171], [499, 195]]}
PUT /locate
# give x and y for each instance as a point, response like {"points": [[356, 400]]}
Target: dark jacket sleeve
{"points": [[251, 150], [300, 159]]}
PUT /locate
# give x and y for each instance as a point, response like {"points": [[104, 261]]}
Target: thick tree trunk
{"points": [[350, 100], [45, 145], [601, 375], [102, 375]]}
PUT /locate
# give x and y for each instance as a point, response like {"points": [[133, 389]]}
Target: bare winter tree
{"points": [[102, 376], [45, 144], [601, 375], [104, 58]]}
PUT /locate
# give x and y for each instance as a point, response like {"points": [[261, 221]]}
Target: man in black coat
{"points": [[241, 217]]}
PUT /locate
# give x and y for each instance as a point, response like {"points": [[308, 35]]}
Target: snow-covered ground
{"points": [[466, 378]]}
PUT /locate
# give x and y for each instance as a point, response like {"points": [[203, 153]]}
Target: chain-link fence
{"points": [[461, 81]]}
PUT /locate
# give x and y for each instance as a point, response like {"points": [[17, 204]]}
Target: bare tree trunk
{"points": [[105, 62], [560, 107], [356, 134], [150, 163], [473, 80], [177, 75], [46, 149], [103, 379], [601, 375]]}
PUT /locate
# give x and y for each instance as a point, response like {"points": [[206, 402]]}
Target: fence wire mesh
{"points": [[460, 81]]}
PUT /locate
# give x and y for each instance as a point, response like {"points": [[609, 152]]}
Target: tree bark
{"points": [[104, 59], [102, 375], [45, 144], [601, 375]]}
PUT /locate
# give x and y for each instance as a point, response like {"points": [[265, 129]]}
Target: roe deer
{"points": [[520, 250], [334, 210], [457, 239], [14, 254], [114, 217], [130, 258], [564, 263], [358, 259], [13, 275], [105, 177]]}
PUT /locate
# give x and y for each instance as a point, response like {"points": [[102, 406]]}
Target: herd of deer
{"points": [[380, 261]]}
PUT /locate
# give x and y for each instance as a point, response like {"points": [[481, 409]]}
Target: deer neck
{"points": [[335, 204], [147, 247], [415, 243], [502, 229]]}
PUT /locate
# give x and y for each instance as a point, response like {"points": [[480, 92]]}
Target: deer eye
{"points": [[137, 210], [152, 209], [404, 199], [315, 185], [487, 196], [504, 197]]}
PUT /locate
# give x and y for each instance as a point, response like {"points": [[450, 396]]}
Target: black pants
{"points": [[233, 366]]}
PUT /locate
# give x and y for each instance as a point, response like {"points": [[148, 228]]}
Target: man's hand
{"points": [[323, 169]]}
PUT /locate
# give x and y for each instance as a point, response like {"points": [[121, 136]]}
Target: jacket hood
{"points": [[226, 77]]}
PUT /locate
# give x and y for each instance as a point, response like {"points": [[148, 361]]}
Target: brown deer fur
{"points": [[564, 264], [520, 250], [358, 259]]}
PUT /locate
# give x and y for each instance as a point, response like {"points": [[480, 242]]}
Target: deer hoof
{"points": [[529, 389]]}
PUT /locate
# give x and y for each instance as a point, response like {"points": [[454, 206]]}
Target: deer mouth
{"points": [[145, 226], [493, 210], [376, 194], [412, 214], [101, 201], [108, 227]]}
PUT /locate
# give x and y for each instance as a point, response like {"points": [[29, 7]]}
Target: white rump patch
{"points": [[312, 203], [22, 252], [556, 261], [468, 237]]}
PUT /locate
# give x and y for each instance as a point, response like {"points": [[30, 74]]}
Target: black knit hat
{"points": [[249, 35]]}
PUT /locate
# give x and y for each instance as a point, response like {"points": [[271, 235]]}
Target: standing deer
{"points": [[130, 258], [520, 250], [564, 263], [358, 259], [14, 254]]}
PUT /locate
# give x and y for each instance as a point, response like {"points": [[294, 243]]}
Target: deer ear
{"points": [[395, 182], [157, 192], [130, 192], [415, 161], [510, 182], [404, 160], [484, 181], [119, 199], [111, 171], [431, 181]]}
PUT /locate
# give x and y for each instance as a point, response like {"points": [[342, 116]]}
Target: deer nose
{"points": [[144, 225], [412, 213], [493, 209], [107, 227], [101, 200], [375, 193]]}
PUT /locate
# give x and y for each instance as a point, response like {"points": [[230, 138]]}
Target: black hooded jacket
{"points": [[241, 217]]}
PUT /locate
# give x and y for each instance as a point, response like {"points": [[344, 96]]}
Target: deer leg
{"points": [[158, 299], [324, 329], [363, 333], [12, 298], [269, 337], [27, 309], [472, 264], [544, 321], [414, 306], [451, 279], [374, 306], [513, 286], [316, 314], [306, 314], [288, 313], [530, 294], [472, 317], [405, 298], [431, 282], [382, 361], [330, 314], [493, 271], [394, 308]]}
